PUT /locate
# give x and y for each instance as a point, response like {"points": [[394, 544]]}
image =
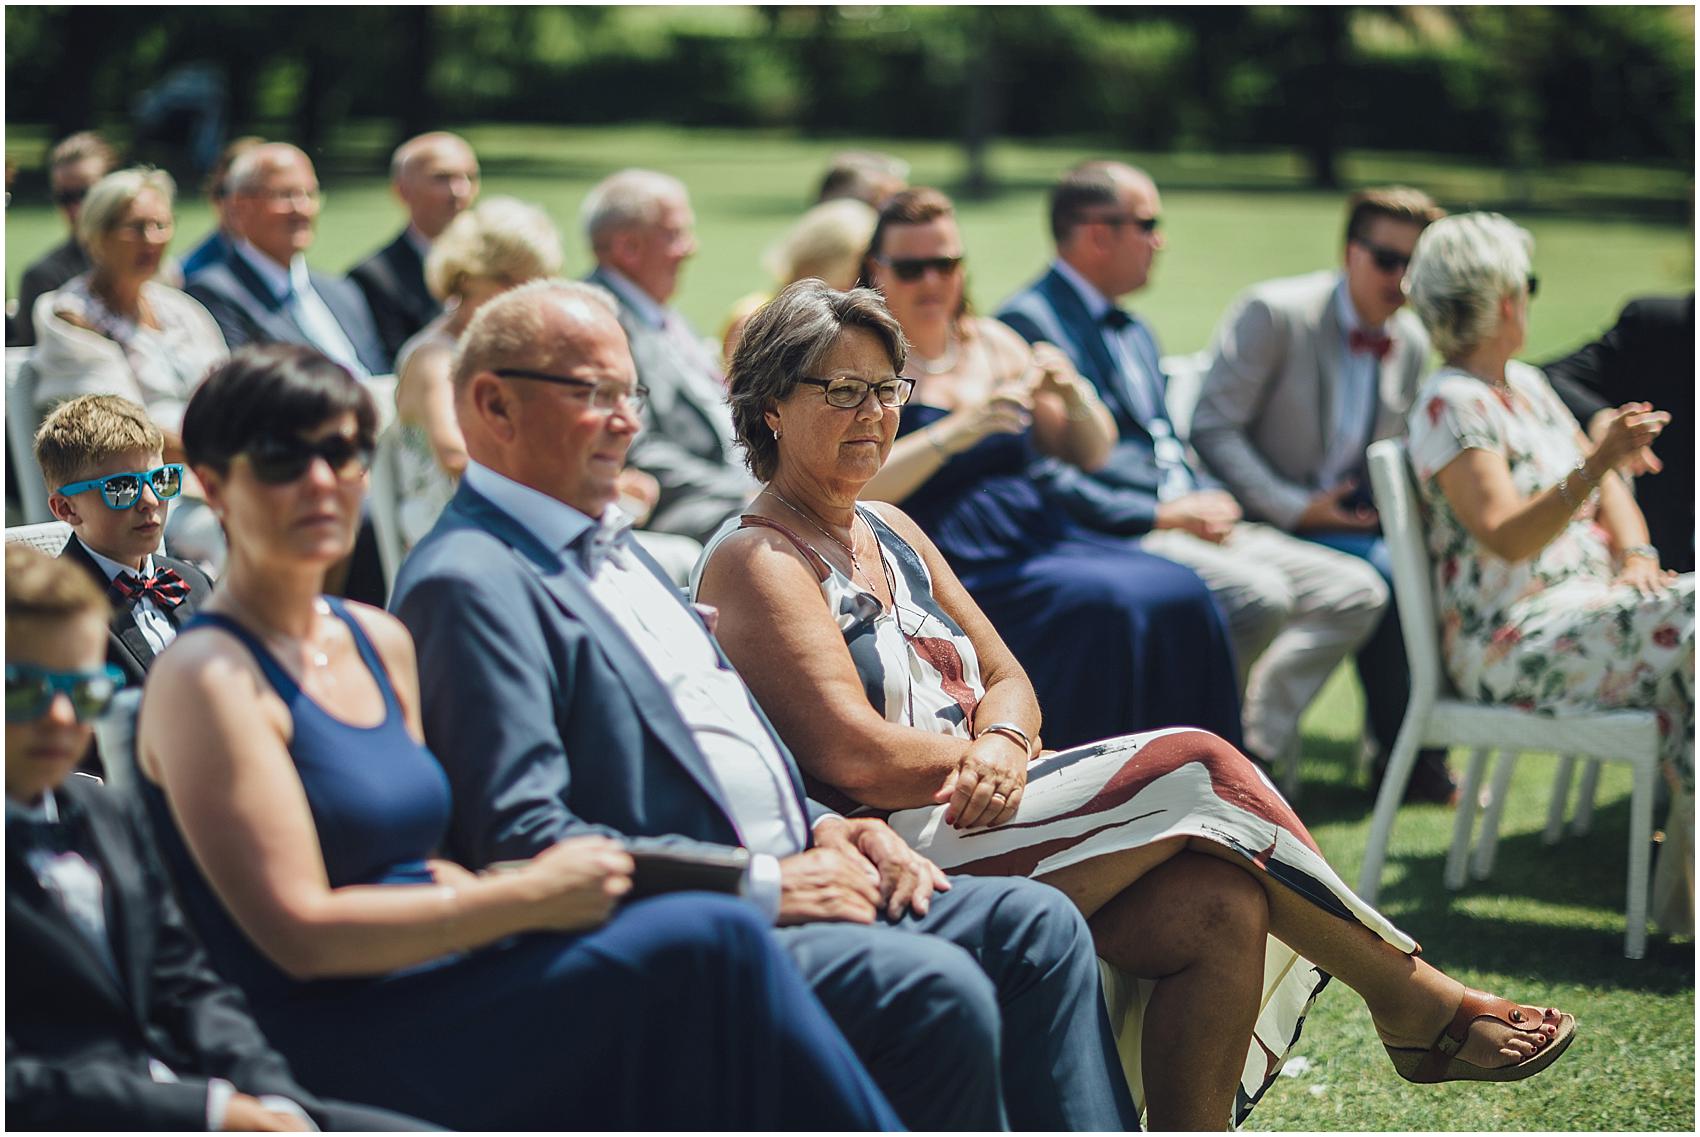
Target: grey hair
{"points": [[1462, 268], [411, 149], [511, 331], [626, 200], [108, 199], [783, 342], [251, 166], [500, 236]]}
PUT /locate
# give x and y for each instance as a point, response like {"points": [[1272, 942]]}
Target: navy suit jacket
{"points": [[1121, 497], [393, 282], [78, 1038], [547, 718], [248, 312]]}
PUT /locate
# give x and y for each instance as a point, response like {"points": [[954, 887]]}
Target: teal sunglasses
{"points": [[121, 491], [30, 691]]}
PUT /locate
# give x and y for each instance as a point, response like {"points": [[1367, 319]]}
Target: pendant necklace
{"points": [[849, 550], [942, 362]]}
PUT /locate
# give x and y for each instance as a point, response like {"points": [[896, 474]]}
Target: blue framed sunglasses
{"points": [[30, 691], [121, 491]]}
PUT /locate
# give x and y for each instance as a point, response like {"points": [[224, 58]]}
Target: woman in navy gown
{"points": [[1116, 639], [279, 743]]}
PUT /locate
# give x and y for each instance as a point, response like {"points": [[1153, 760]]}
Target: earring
{"points": [[776, 434]]}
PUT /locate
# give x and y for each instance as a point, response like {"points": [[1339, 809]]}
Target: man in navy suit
{"points": [[436, 177], [1294, 609], [568, 688], [263, 291]]}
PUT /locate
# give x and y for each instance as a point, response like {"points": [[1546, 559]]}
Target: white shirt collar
{"points": [[652, 313], [111, 567], [279, 279], [47, 809], [553, 522], [1096, 302]]}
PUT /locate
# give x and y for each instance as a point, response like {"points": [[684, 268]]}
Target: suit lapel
{"points": [[125, 640], [125, 897], [31, 912], [1102, 367], [269, 309], [409, 271], [1330, 345]]}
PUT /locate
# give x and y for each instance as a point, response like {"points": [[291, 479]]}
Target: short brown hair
{"points": [[82, 433], [81, 146], [1396, 203], [783, 342], [40, 587]]}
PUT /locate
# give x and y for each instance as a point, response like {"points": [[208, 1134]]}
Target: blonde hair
{"points": [[39, 587], [498, 237], [84, 432], [112, 195], [1462, 268], [826, 242]]}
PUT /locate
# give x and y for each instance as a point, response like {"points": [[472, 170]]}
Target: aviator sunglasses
{"points": [[1387, 260], [121, 491], [911, 269], [30, 691], [276, 461]]}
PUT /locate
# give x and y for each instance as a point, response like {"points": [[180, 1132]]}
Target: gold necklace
{"points": [[849, 550]]}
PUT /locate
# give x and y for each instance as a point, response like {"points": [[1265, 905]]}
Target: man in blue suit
{"points": [[568, 689], [1294, 608], [263, 291]]}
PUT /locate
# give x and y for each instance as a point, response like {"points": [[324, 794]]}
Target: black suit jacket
{"points": [[393, 281], [248, 312], [126, 647], [78, 1039], [55, 267]]}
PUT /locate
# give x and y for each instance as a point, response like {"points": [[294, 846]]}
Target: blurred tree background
{"points": [[1520, 86]]}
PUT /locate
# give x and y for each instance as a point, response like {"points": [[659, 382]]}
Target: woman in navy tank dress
{"points": [[1114, 639], [278, 743]]}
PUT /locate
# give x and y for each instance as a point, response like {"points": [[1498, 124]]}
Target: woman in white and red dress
{"points": [[1217, 917]]}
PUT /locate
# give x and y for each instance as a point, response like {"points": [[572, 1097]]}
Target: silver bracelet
{"points": [[1581, 467], [1011, 731], [1647, 551]]}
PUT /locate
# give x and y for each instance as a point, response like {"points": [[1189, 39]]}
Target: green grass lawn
{"points": [[1548, 926]]}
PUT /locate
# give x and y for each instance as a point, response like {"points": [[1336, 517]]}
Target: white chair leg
{"points": [[1289, 773], [1640, 852], [1399, 766], [1560, 798], [1487, 842], [1583, 819], [1469, 793]]}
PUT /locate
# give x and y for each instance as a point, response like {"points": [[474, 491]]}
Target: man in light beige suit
{"points": [[1305, 373]]}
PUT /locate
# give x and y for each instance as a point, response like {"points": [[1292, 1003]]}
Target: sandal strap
{"points": [[1475, 1005]]}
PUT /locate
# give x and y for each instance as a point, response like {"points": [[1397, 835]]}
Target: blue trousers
{"points": [[984, 1014]]}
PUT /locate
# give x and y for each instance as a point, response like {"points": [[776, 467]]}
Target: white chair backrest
{"points": [[48, 536], [1413, 578], [21, 423], [384, 501], [1186, 383]]}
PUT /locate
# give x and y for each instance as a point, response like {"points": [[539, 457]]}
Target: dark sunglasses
{"points": [[277, 461], [847, 393], [30, 691], [1117, 220], [70, 197], [912, 269], [1534, 285], [1387, 260], [121, 491]]}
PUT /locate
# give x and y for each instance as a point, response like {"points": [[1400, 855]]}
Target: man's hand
{"points": [[1327, 512], [245, 1114], [907, 879], [1209, 515], [826, 884]]}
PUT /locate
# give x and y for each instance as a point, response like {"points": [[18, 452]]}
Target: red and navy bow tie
{"points": [[1377, 344], [167, 588]]}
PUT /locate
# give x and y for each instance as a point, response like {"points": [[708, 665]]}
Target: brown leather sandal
{"points": [[1439, 1063]]}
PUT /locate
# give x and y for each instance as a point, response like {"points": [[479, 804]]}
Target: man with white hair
{"points": [[436, 177], [638, 224], [263, 291]]}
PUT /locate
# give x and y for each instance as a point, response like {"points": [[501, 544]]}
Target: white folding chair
{"points": [[21, 423], [384, 503], [48, 536], [1437, 717], [1185, 383]]}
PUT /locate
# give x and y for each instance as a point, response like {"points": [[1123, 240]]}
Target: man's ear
{"points": [[494, 405]]}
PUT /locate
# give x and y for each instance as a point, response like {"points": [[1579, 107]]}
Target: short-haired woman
{"points": [[1550, 595]]}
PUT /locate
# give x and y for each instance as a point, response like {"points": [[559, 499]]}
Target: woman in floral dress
{"points": [[1550, 595]]}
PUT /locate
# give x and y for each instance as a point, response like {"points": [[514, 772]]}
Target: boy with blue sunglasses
{"points": [[101, 456]]}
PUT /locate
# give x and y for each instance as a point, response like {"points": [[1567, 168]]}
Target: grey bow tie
{"points": [[613, 532]]}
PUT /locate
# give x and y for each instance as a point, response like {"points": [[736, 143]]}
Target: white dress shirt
{"points": [[742, 754], [294, 287], [1354, 397], [156, 627]]}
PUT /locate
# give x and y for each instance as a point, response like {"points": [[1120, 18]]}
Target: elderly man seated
{"points": [[567, 688]]}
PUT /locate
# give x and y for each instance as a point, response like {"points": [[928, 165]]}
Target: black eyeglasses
{"points": [[121, 491], [70, 196], [603, 396], [277, 461], [30, 691], [1117, 220], [1534, 285], [912, 269], [1387, 260], [846, 393]]}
